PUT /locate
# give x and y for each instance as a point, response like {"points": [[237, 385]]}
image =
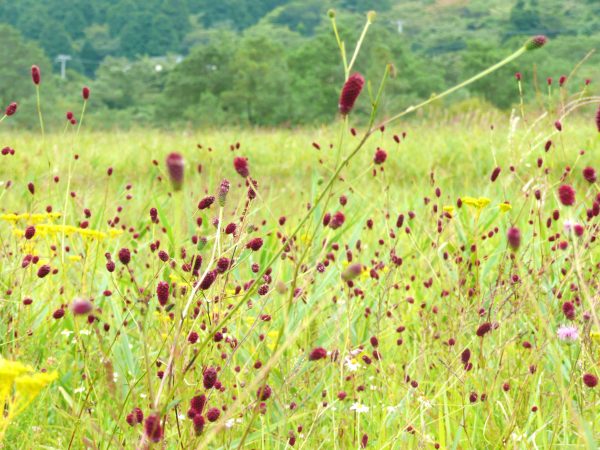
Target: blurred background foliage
{"points": [[276, 62]]}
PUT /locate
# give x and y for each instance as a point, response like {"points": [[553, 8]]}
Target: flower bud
{"points": [[536, 42], [11, 109], [223, 191], [36, 75]]}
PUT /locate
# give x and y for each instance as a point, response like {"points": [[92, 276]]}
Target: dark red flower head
{"points": [[197, 403], [264, 392], [206, 202], [483, 329], [495, 174], [223, 191], [11, 109], [85, 92], [317, 353], [562, 80], [175, 166], [81, 306], [152, 428], [209, 378], [36, 75], [380, 156], [566, 194], [536, 42], [213, 414], [590, 380], [337, 220], [589, 174], [162, 292], [241, 166], [350, 92], [29, 232], [43, 271], [124, 256], [568, 310], [598, 119], [255, 244], [514, 238]]}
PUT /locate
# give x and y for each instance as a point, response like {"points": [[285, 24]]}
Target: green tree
{"points": [[55, 40], [261, 87], [15, 79], [205, 74]]}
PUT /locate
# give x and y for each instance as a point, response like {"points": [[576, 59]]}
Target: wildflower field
{"points": [[423, 284]]}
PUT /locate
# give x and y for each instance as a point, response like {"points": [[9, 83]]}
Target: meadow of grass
{"points": [[402, 365]]}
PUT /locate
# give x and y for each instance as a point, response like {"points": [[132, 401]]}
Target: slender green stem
{"points": [[342, 48], [82, 115], [358, 45], [480, 75], [39, 108]]}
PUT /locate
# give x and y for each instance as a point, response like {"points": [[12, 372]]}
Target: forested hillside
{"points": [[233, 61]]}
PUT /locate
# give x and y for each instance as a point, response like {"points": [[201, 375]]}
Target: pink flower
{"points": [[567, 333]]}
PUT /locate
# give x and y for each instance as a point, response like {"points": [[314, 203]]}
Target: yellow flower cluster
{"points": [[478, 203], [48, 229], [30, 218], [19, 385]]}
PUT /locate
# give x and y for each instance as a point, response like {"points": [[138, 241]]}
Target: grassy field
{"points": [[412, 324]]}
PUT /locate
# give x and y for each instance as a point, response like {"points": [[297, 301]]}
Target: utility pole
{"points": [[62, 59]]}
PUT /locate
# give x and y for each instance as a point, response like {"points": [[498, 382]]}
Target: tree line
{"points": [[276, 62]]}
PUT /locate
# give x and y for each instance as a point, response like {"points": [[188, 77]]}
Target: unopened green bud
{"points": [[536, 42], [371, 16], [331, 13]]}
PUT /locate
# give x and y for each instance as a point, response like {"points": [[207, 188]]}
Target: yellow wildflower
{"points": [[449, 209], [26, 385], [505, 207], [478, 203]]}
